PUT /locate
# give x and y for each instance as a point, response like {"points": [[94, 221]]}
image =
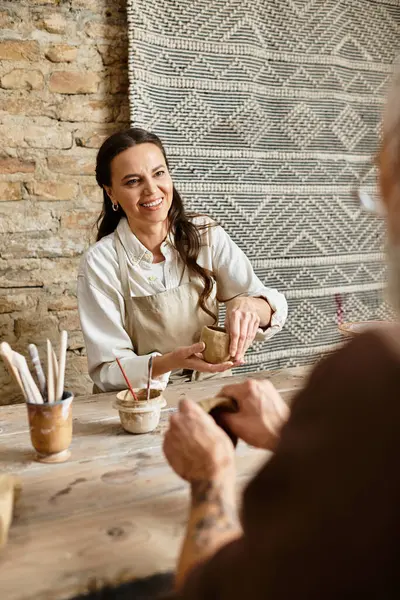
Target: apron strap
{"points": [[126, 288]]}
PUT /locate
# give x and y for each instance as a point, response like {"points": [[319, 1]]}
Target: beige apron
{"points": [[163, 322]]}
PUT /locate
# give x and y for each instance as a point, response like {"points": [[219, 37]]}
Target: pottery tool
{"points": [[149, 373], [61, 365], [31, 389], [37, 365], [55, 366], [7, 354], [50, 373], [128, 383]]}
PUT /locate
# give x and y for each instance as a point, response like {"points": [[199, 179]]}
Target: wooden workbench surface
{"points": [[115, 511]]}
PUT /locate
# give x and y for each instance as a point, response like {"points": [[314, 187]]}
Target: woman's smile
{"points": [[153, 204]]}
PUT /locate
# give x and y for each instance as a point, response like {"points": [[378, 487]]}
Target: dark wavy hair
{"points": [[186, 234]]}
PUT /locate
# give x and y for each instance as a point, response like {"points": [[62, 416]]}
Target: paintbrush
{"points": [[128, 383], [149, 373], [61, 366], [50, 373], [37, 365]]}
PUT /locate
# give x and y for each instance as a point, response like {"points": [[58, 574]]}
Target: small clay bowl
{"points": [[216, 340], [142, 416], [50, 426]]}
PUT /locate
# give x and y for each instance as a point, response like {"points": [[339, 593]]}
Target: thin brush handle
{"points": [[37, 365], [61, 364], [50, 373], [55, 372], [149, 374], [128, 383], [7, 354], [30, 386]]}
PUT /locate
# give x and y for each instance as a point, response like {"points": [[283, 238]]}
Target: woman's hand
{"points": [[188, 357], [196, 448], [262, 412], [244, 316]]}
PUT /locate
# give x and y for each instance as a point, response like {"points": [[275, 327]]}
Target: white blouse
{"points": [[101, 301]]}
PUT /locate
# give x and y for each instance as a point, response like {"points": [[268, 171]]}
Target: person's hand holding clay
{"points": [[262, 412], [244, 316], [196, 447], [189, 357]]}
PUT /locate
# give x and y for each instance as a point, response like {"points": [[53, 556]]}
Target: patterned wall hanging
{"points": [[270, 114]]}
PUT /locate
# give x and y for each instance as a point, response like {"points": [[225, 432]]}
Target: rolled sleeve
{"points": [[109, 376], [235, 277], [278, 304]]}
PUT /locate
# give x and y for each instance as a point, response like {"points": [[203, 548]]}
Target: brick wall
{"points": [[63, 88]]}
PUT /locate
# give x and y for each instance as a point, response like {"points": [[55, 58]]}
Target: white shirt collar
{"points": [[134, 248]]}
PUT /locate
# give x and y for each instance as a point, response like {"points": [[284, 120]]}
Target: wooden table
{"points": [[115, 511]]}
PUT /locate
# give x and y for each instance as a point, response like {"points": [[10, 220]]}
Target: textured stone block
{"points": [[98, 30], [71, 165], [51, 190], [54, 23], [61, 53], [19, 50], [47, 137], [61, 303], [10, 190], [23, 79], [24, 218], [94, 140], [79, 220], [16, 165], [82, 110], [68, 82], [18, 301]]}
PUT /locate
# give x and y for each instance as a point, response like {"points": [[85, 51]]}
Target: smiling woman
{"points": [[156, 274]]}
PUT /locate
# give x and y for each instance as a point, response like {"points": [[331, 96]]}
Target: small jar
{"points": [[50, 426], [141, 416]]}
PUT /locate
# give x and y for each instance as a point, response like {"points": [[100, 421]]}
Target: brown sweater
{"points": [[321, 519]]}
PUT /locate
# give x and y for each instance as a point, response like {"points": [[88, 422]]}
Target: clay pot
{"points": [[216, 407], [51, 428], [216, 341], [142, 416]]}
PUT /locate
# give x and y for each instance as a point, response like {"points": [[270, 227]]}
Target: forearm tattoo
{"points": [[219, 516]]}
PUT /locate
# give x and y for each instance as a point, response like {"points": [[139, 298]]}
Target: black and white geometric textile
{"points": [[270, 113]]}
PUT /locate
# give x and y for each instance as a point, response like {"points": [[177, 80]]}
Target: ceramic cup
{"points": [[216, 340], [142, 416], [51, 429]]}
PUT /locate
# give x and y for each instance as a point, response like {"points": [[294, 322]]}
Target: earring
{"points": [[115, 207]]}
